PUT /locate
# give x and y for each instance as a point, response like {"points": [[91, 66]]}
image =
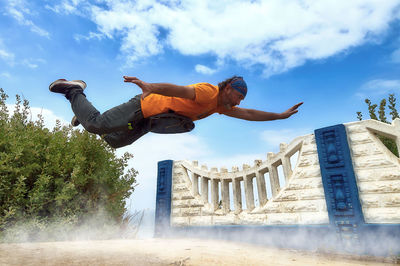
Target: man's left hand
{"points": [[291, 111]]}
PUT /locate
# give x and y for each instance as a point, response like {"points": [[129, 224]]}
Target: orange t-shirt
{"points": [[202, 106]]}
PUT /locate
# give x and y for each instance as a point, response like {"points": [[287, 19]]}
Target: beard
{"points": [[228, 106]]}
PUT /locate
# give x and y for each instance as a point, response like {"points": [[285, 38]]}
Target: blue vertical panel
{"points": [[163, 199], [341, 192]]}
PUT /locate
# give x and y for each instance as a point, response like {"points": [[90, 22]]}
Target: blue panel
{"points": [[163, 199], [341, 192]]}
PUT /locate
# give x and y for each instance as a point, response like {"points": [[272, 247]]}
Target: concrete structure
{"points": [[341, 182]]}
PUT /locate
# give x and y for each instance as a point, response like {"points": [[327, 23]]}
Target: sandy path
{"points": [[162, 252]]}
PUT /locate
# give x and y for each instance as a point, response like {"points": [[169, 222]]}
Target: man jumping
{"points": [[161, 108]]}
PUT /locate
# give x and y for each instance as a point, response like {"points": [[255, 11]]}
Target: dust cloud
{"points": [[166, 252]]}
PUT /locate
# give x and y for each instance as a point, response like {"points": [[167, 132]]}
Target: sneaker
{"points": [[75, 122], [63, 85]]}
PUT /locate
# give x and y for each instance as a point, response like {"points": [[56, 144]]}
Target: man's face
{"points": [[232, 97]]}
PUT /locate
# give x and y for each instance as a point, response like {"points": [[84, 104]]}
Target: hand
{"points": [[146, 87], [291, 111]]}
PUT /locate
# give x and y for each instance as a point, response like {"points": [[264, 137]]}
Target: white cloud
{"points": [[19, 9], [204, 70], [48, 116], [274, 137], [29, 64], [65, 6], [378, 87], [92, 35], [396, 56], [10, 58], [32, 63], [278, 35], [7, 56], [6, 75]]}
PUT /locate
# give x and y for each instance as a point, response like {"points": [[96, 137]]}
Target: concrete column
{"points": [[287, 168], [396, 124], [195, 184], [204, 189], [274, 180], [225, 196], [261, 189], [214, 193], [398, 143], [237, 195], [248, 191]]}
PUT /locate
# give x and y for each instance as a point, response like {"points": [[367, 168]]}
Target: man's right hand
{"points": [[166, 89], [146, 87]]}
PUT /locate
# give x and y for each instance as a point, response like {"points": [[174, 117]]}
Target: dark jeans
{"points": [[112, 124]]}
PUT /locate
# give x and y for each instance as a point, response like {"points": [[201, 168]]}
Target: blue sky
{"points": [[329, 54]]}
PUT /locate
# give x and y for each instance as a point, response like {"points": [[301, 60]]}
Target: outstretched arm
{"points": [[166, 89], [257, 115]]}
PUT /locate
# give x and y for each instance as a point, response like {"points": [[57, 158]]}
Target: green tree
{"points": [[57, 175], [389, 143], [371, 109], [359, 116], [392, 107], [381, 112]]}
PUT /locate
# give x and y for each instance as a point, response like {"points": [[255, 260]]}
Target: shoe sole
{"points": [[53, 86], [75, 122]]}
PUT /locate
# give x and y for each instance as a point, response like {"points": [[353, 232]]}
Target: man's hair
{"points": [[223, 84]]}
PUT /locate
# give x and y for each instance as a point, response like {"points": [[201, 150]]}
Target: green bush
{"points": [[389, 143], [62, 175]]}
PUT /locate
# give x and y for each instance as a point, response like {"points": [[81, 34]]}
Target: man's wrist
{"points": [[282, 116], [152, 87]]}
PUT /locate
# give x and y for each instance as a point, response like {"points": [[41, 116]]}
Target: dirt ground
{"points": [[166, 252]]}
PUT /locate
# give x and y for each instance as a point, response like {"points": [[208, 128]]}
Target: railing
{"points": [[218, 182], [286, 188]]}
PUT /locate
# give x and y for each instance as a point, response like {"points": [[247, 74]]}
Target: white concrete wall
{"points": [[377, 170]]}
